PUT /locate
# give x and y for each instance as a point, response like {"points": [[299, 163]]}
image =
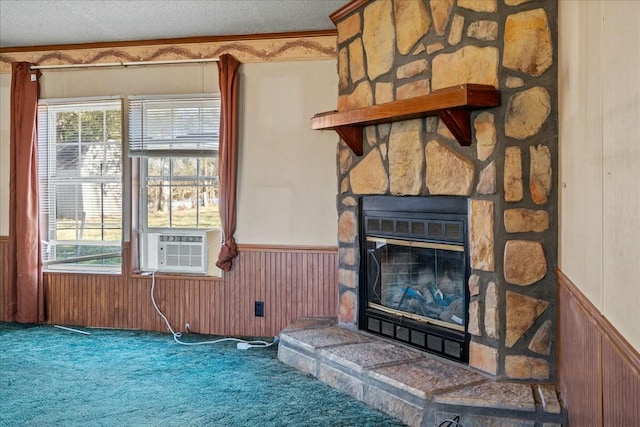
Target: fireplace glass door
{"points": [[419, 280]]}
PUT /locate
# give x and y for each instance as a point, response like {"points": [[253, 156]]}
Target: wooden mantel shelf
{"points": [[452, 105]]}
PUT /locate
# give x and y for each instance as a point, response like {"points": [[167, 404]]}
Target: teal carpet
{"points": [[53, 377]]}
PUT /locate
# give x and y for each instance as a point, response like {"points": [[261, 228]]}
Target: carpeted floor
{"points": [[53, 377]]}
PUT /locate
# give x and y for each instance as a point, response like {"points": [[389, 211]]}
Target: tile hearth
{"points": [[418, 388]]}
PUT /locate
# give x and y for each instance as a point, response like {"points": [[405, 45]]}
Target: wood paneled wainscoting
{"points": [[598, 370], [292, 281]]}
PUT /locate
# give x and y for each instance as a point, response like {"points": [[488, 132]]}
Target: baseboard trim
{"points": [[286, 248]]}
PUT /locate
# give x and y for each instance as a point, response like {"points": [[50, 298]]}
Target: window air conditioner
{"points": [[189, 252]]}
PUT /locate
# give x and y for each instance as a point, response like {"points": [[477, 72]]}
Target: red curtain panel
{"points": [[25, 303], [228, 156]]}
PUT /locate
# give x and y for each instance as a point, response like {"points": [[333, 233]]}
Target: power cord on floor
{"points": [[242, 344]]}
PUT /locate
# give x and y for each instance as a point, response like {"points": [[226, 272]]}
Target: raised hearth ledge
{"points": [[418, 388]]}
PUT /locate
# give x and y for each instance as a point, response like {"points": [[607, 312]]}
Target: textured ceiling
{"points": [[50, 22]]}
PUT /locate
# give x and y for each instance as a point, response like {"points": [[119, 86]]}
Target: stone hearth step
{"points": [[417, 388]]}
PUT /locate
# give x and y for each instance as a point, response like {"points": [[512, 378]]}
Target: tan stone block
{"points": [[444, 131], [481, 235], [405, 160], [347, 227], [412, 23], [343, 68], [540, 174], [522, 312], [379, 38], [339, 380], [525, 220], [384, 129], [383, 151], [347, 278], [369, 176], [431, 123], [419, 49], [483, 30], [474, 285], [413, 89], [349, 201], [491, 312], [513, 189], [344, 185], [392, 404], [474, 318], [347, 256], [345, 159], [469, 64], [487, 180], [514, 82], [527, 42], [549, 398], [370, 135], [515, 2], [347, 308], [541, 341], [455, 33], [523, 367], [412, 69], [441, 13], [448, 172], [384, 92], [524, 262], [362, 96], [348, 27], [486, 135], [356, 60], [483, 357], [435, 47], [479, 5], [526, 112]]}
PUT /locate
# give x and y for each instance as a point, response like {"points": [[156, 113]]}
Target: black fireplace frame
{"points": [[445, 342]]}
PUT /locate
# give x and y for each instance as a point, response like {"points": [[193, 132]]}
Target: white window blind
{"points": [[173, 126], [80, 180]]}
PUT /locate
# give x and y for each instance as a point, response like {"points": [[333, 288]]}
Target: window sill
{"points": [[86, 272], [177, 276]]}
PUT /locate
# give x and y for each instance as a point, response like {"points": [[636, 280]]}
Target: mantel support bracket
{"points": [[352, 136], [459, 124]]}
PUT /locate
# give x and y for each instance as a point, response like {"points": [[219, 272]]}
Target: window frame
{"points": [[47, 145], [140, 229]]}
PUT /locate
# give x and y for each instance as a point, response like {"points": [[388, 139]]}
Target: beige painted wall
{"points": [[291, 166], [599, 122]]}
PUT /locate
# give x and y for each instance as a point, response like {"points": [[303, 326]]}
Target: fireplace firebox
{"points": [[413, 272]]}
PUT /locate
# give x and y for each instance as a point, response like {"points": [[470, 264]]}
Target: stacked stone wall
{"points": [[396, 49]]}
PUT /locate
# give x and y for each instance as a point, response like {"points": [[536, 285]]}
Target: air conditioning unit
{"points": [[190, 252]]}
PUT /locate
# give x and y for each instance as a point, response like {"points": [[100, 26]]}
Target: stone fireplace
{"points": [[394, 50]]}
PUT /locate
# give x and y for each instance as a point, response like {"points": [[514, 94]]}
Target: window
{"points": [[176, 141], [80, 179]]}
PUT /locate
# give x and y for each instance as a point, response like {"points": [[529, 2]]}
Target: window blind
{"points": [[80, 180], [174, 126]]}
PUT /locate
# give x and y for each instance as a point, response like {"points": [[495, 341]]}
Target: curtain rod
{"points": [[123, 64]]}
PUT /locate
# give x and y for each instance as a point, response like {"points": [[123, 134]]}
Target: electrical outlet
{"points": [[259, 308]]}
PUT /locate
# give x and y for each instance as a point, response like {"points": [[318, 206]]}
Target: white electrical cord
{"points": [[242, 344]]}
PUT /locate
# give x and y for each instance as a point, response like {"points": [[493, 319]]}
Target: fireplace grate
{"points": [[430, 229]]}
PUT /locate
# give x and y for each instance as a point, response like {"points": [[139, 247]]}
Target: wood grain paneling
{"points": [[621, 387], [4, 275], [578, 362], [598, 370], [292, 284]]}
